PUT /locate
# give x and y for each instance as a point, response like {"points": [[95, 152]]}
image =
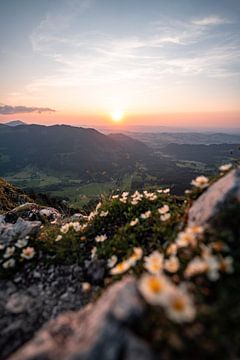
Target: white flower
{"points": [[146, 215], [64, 228], [123, 200], [28, 253], [112, 261], [212, 268], [185, 238], [134, 222], [154, 289], [154, 262], [136, 198], [8, 264], [58, 238], [98, 206], [166, 191], [101, 238], [189, 236], [172, 249], [160, 191], [195, 267], [86, 287], [104, 213], [180, 307], [200, 182], [164, 209], [225, 167], [21, 243], [165, 217], [172, 264], [92, 215], [121, 268], [9, 252], [115, 196], [137, 255], [93, 252]]}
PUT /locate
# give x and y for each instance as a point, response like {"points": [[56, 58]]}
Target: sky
{"points": [[139, 62]]}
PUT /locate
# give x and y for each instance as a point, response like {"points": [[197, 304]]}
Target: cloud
{"points": [[211, 20], [10, 110]]}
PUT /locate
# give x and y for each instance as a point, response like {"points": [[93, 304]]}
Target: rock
{"points": [[96, 270], [32, 211], [18, 303], [11, 232], [99, 331], [29, 299], [218, 197], [78, 216]]}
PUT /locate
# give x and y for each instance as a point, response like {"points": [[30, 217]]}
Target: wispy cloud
{"points": [[91, 65], [211, 20], [10, 110]]}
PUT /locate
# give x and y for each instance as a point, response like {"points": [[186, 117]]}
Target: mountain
{"points": [[15, 123], [61, 148]]}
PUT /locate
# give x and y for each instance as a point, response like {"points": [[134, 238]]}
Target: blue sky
{"points": [[140, 56]]}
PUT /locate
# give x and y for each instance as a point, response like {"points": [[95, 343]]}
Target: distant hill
{"points": [[15, 123], [209, 154], [61, 148]]}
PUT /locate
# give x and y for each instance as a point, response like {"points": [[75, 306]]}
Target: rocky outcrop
{"points": [[215, 199], [100, 331], [19, 230], [32, 211]]}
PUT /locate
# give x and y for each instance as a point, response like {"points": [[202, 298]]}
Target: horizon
{"points": [[94, 63], [118, 128]]}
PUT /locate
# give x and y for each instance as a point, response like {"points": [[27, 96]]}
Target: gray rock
{"points": [[10, 232], [18, 303], [32, 211], [224, 192], [99, 331]]}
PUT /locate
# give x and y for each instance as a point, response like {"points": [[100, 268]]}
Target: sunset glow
{"points": [[67, 59], [117, 115]]}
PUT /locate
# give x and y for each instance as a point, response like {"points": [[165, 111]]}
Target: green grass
{"points": [[81, 195], [30, 178]]}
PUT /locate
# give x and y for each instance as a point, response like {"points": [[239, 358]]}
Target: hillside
{"points": [[65, 148], [10, 196], [160, 274]]}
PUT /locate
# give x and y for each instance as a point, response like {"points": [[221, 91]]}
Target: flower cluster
{"points": [[18, 251], [157, 289], [164, 212]]}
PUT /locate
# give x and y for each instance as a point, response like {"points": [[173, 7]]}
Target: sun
{"points": [[117, 115]]}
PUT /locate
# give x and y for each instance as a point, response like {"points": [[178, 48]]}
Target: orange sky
{"points": [[196, 120]]}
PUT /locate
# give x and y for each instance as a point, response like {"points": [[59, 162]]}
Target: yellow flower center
{"points": [[178, 304], [155, 285]]}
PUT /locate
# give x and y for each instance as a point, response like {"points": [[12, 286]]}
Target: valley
{"points": [[78, 165]]}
